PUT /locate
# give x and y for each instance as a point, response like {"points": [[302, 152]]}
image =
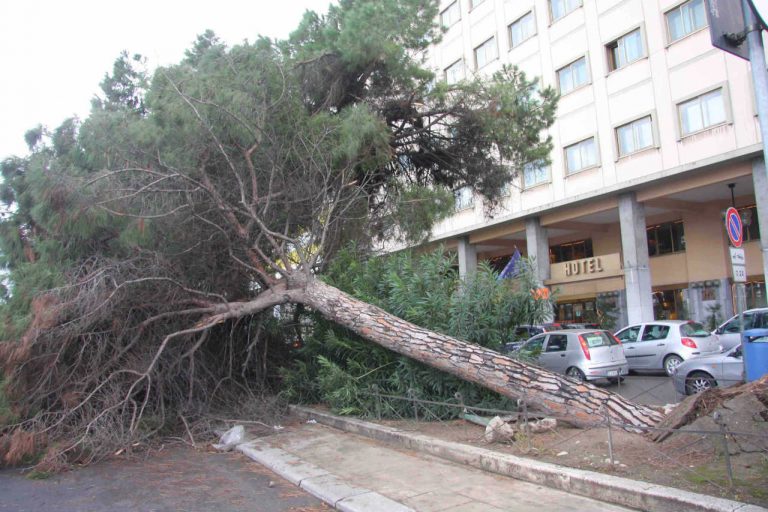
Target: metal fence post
{"points": [[721, 424], [412, 396], [522, 419], [522, 403], [377, 397], [460, 398], [610, 436]]}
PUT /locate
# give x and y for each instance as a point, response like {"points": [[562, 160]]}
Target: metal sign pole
{"points": [[759, 72], [754, 34]]}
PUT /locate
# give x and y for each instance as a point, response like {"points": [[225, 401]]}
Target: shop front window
{"points": [[583, 311], [668, 305], [756, 295]]}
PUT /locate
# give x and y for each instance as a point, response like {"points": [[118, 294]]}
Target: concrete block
{"points": [[371, 502], [281, 462], [330, 488]]}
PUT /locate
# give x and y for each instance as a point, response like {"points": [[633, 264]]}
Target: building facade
{"points": [[656, 135]]}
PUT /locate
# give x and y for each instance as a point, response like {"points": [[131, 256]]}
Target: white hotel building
{"points": [[653, 125]]}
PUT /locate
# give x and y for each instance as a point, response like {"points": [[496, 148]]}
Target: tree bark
{"points": [[578, 403]]}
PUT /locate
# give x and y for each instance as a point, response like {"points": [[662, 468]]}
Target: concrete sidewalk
{"points": [[355, 473]]}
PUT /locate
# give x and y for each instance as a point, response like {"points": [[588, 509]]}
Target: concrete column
{"points": [[694, 304], [622, 320], [538, 247], [467, 258], [725, 298], [760, 181], [634, 248]]}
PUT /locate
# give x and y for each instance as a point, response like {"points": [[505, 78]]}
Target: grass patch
{"points": [[39, 475], [749, 484]]}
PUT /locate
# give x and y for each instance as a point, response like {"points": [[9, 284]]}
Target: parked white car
{"points": [[730, 332], [702, 373], [581, 354], [664, 344]]}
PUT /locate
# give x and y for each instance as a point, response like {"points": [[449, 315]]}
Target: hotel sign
{"points": [[585, 266], [598, 267]]}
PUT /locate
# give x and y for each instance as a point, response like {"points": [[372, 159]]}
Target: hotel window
{"points": [[666, 238], [634, 136], [534, 174], [686, 19], [454, 72], [572, 76], [702, 112], [559, 8], [451, 15], [571, 251], [580, 155], [625, 50], [522, 30], [751, 228], [463, 198], [485, 53]]}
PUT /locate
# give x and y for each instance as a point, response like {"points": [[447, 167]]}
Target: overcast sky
{"points": [[54, 53]]}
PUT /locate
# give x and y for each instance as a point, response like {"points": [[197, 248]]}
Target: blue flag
{"points": [[511, 270]]}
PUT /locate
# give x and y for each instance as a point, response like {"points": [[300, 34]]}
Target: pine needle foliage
{"points": [[340, 369], [143, 243]]}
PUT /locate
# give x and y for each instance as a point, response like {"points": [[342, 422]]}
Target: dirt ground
{"points": [[691, 462]]}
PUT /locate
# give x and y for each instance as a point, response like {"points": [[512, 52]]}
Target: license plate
{"points": [[613, 373]]}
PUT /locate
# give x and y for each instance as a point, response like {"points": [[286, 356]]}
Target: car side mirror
{"points": [[719, 330]]}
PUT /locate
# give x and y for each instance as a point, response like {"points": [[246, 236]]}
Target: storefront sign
{"points": [[598, 267]]}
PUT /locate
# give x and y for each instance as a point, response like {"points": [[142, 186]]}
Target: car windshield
{"points": [[694, 330], [599, 339]]}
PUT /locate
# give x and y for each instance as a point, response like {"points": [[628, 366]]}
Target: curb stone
{"points": [[319, 482], [599, 486]]}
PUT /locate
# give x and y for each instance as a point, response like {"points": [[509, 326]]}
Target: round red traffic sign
{"points": [[733, 226]]}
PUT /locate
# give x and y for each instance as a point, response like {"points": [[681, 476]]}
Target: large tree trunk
{"points": [[580, 403]]}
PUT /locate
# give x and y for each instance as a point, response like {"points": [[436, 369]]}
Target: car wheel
{"points": [[698, 382], [671, 363], [575, 374]]}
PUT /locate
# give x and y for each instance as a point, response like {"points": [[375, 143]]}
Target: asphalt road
{"points": [[175, 479], [648, 389]]}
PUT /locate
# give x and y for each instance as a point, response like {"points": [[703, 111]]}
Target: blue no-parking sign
{"points": [[733, 226]]}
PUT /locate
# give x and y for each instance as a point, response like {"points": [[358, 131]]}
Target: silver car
{"points": [[730, 332], [583, 354], [663, 345], [701, 373]]}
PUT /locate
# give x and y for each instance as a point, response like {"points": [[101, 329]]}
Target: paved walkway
{"points": [[419, 481]]}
